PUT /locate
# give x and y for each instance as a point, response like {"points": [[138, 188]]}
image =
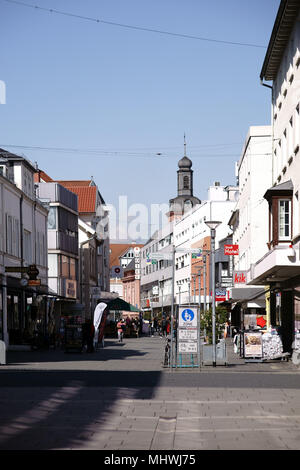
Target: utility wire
{"points": [[112, 153], [139, 28]]}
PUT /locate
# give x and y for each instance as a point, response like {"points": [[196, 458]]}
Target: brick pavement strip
{"points": [[122, 398]]}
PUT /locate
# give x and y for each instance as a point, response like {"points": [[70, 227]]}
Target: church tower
{"points": [[185, 199]]}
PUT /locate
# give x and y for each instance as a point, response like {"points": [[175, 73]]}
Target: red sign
{"points": [[220, 295], [260, 321], [231, 249], [239, 277]]}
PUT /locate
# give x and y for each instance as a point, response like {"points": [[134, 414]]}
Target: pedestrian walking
{"points": [[164, 326], [152, 327], [168, 326], [88, 336], [155, 324], [121, 329]]}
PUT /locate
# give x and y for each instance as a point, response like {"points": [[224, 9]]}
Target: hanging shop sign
{"points": [[220, 295], [155, 290], [197, 255], [70, 288], [137, 262], [116, 272], [239, 277], [231, 250], [34, 282]]}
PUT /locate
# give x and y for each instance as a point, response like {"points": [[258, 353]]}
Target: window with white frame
{"points": [[284, 219]]}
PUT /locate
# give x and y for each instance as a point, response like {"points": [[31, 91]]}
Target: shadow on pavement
{"points": [[43, 410]]}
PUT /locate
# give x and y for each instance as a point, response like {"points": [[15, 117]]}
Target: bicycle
{"points": [[167, 353]]}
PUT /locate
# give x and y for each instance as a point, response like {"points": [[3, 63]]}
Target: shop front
{"points": [[248, 307], [278, 271], [25, 313]]}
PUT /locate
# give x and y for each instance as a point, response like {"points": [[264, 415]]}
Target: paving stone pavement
{"points": [[121, 398]]}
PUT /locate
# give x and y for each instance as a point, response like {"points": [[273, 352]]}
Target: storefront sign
{"points": [[137, 262], [239, 277], [70, 288], [220, 295], [16, 269], [34, 282], [253, 345], [155, 290], [231, 250]]}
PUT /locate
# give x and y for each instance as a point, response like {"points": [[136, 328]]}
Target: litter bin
{"points": [[2, 353]]}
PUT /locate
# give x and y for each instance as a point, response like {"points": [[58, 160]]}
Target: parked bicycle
{"points": [[167, 358]]}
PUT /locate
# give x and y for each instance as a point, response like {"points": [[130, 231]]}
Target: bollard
{"points": [[2, 353]]}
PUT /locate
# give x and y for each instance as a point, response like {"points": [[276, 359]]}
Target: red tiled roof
{"points": [[41, 175], [86, 194], [117, 250], [86, 197], [75, 183]]}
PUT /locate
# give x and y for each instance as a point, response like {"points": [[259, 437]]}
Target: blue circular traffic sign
{"points": [[187, 315]]}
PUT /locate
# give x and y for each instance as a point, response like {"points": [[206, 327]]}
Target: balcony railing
{"points": [[62, 241]]}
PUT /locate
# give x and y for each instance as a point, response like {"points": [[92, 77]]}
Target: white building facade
{"points": [[249, 221], [23, 242], [278, 270], [191, 232]]}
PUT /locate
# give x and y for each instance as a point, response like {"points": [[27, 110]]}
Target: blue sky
{"points": [[119, 96]]}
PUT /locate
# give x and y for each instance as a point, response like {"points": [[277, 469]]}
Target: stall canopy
{"points": [[120, 304]]}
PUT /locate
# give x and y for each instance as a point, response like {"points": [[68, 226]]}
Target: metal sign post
{"points": [[188, 335]]}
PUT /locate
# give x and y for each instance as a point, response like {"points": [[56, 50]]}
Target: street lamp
{"points": [[212, 224]]}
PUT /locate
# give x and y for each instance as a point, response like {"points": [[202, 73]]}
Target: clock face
{"points": [[23, 282]]}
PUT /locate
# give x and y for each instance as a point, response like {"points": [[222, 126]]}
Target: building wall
{"points": [[191, 231], [286, 121], [255, 177], [23, 241]]}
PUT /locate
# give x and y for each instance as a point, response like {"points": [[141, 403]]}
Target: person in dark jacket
{"points": [[88, 333]]}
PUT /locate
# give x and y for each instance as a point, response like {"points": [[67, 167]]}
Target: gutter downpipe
{"points": [[267, 293], [269, 86]]}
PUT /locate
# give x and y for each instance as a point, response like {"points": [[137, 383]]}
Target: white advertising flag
{"points": [[98, 312]]}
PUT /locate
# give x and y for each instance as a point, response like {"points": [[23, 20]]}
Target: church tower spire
{"points": [[185, 199]]}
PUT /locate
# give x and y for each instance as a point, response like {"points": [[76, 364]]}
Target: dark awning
{"points": [[120, 304], [243, 294]]}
